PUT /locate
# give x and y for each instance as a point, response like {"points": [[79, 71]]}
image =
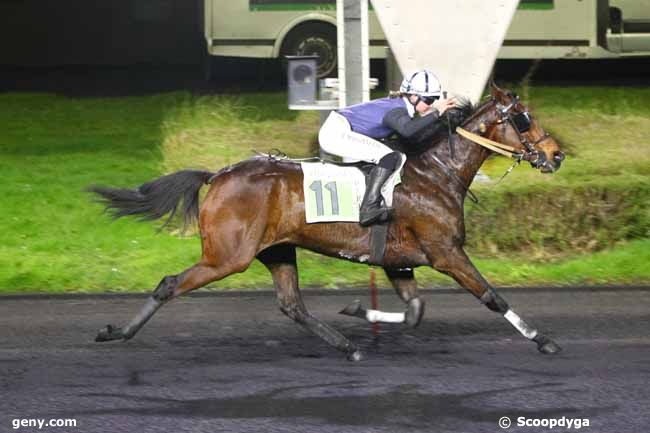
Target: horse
{"points": [[255, 209]]}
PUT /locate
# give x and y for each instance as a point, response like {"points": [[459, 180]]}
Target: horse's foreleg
{"points": [[404, 283], [456, 264], [168, 288], [281, 261]]}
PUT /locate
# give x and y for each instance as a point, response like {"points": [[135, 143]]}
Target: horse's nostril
{"points": [[558, 156]]}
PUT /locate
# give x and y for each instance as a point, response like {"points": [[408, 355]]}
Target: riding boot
{"points": [[371, 211]]}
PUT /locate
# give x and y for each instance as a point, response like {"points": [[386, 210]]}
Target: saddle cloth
{"points": [[333, 193]]}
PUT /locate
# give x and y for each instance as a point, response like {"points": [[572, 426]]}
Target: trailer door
{"points": [[630, 26]]}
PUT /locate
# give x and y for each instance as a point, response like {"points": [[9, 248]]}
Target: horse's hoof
{"points": [[355, 310], [414, 312], [109, 333], [355, 356], [546, 346]]}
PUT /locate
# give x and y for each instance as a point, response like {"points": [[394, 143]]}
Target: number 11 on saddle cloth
{"points": [[334, 193]]}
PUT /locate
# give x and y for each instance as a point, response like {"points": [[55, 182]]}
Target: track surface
{"points": [[234, 363]]}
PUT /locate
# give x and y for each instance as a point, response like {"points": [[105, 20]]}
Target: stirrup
{"points": [[375, 216]]}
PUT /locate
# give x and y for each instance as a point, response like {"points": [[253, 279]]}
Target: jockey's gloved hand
{"points": [[442, 105]]}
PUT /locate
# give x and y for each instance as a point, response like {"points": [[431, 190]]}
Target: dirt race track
{"points": [[234, 363]]}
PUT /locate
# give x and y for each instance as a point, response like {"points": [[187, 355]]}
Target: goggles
{"points": [[428, 99]]}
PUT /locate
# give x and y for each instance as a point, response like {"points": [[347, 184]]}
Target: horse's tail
{"points": [[155, 199]]}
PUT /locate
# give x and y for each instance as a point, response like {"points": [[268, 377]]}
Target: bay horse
{"points": [[255, 210]]}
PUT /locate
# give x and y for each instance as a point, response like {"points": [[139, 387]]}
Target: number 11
{"points": [[317, 187]]}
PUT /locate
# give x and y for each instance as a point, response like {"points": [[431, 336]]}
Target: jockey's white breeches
{"points": [[337, 138]]}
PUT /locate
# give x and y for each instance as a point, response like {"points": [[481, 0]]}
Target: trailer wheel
{"points": [[313, 39]]}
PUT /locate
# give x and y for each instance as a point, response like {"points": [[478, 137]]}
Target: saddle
{"points": [[334, 192]]}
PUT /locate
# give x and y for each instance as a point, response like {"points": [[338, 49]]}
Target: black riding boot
{"points": [[371, 211]]}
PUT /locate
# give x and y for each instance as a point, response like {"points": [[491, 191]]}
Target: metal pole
{"points": [[393, 73], [354, 63], [354, 73], [374, 300]]}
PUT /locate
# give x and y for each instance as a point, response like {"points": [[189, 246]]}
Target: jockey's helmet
{"points": [[421, 83]]}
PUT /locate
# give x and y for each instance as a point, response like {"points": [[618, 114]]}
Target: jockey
{"points": [[354, 133]]}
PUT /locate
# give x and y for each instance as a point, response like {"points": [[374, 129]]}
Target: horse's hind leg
{"points": [[403, 281], [406, 287], [281, 261], [456, 264], [169, 287]]}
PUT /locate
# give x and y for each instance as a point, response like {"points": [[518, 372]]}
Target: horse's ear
{"points": [[497, 93], [492, 85]]}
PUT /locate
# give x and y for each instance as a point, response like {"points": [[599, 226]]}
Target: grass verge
{"points": [[591, 217]]}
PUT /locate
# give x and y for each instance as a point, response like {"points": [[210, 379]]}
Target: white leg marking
{"points": [[373, 316], [521, 326]]}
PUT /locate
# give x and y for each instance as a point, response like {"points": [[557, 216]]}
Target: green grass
{"points": [[54, 238], [600, 197]]}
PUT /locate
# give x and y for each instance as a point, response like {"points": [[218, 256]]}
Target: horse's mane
{"points": [[469, 113], [464, 109]]}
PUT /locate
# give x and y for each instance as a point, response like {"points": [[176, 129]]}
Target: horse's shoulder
{"points": [[427, 190]]}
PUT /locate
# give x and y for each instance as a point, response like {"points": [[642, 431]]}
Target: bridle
{"points": [[521, 123]]}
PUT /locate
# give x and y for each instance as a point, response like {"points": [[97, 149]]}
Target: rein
{"points": [[494, 146]]}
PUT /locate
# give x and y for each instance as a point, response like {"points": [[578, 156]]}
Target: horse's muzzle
{"points": [[539, 160]]}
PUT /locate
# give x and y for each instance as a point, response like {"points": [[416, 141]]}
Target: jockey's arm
{"points": [[409, 128]]}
